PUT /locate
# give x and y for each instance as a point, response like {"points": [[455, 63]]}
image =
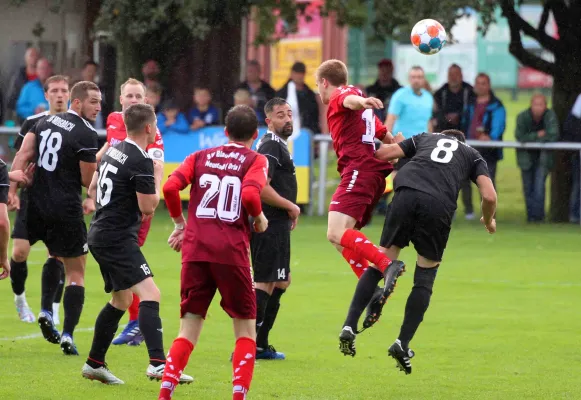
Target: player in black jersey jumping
{"points": [[56, 91], [426, 192], [64, 148]]}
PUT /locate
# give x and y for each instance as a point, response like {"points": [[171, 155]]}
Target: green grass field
{"points": [[503, 323]]}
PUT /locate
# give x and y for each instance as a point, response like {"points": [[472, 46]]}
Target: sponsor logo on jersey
{"points": [[157, 154], [115, 141]]}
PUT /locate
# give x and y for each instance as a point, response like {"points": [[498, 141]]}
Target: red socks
{"points": [[134, 308], [357, 264], [243, 367], [176, 361], [363, 248]]}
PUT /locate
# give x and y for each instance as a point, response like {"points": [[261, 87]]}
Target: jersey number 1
{"points": [[105, 184], [228, 190], [49, 146]]}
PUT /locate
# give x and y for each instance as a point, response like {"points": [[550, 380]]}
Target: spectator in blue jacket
{"points": [[31, 100], [171, 120], [203, 113], [484, 118]]}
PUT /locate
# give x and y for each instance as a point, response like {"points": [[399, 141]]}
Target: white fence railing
{"points": [[324, 140]]}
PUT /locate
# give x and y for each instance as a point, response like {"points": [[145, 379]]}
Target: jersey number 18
{"points": [[49, 146]]}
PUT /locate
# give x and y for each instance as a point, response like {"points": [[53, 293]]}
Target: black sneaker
{"points": [[394, 271], [47, 327], [401, 356], [347, 341], [373, 309]]}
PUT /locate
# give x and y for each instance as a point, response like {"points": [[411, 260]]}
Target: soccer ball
{"points": [[428, 36]]}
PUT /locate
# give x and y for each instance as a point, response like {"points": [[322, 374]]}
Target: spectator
{"points": [[150, 71], [572, 133], [89, 71], [31, 100], [25, 74], [483, 118], [260, 91], [384, 87], [203, 113], [242, 97], [451, 99], [171, 120], [537, 124], [153, 96], [302, 99], [410, 108]]}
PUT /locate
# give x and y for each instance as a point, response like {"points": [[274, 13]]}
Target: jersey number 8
{"points": [[228, 190], [444, 151], [49, 146]]}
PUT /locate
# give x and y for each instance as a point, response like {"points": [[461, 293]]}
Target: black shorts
{"points": [[420, 218], [122, 265], [270, 253], [399, 165], [63, 238], [20, 230]]}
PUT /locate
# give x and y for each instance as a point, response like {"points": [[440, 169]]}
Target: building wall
{"points": [[63, 40]]}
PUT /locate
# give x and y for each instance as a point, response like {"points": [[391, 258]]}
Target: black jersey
{"points": [[62, 141], [281, 171], [28, 126], [439, 165], [124, 170], [4, 182]]}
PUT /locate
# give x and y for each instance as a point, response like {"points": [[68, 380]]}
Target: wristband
{"points": [[179, 227]]}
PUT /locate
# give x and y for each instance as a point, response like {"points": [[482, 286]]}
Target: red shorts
{"points": [[143, 231], [358, 194], [200, 280]]}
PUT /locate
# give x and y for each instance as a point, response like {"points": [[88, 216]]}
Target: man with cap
{"points": [[384, 87]]}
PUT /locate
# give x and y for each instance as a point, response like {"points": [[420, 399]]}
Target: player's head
{"points": [[454, 76], [242, 125], [416, 77], [482, 84], [56, 92], [455, 133], [132, 92], [279, 117], [538, 105], [330, 75], [140, 121], [86, 100]]}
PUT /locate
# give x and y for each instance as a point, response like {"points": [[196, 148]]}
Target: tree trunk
{"points": [[128, 65], [566, 88]]}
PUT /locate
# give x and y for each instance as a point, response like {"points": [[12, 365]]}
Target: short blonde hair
{"points": [[132, 81], [334, 71]]}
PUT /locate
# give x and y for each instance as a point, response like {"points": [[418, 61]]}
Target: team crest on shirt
{"points": [[157, 153]]}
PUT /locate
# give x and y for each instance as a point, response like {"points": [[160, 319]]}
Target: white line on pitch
{"points": [[38, 335]]}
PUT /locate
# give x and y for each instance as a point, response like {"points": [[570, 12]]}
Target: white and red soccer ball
{"points": [[428, 36]]}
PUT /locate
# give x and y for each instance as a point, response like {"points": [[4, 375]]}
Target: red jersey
{"points": [[218, 227], [116, 132], [353, 134]]}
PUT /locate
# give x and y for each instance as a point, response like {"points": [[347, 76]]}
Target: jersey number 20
{"points": [[105, 184], [49, 146], [444, 151], [228, 190]]}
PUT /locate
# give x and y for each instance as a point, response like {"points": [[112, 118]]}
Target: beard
{"points": [[286, 131]]}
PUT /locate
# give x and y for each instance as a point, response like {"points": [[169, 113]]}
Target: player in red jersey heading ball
{"points": [[132, 92], [354, 128], [226, 182]]}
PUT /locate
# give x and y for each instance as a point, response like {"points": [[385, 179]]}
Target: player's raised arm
{"points": [[354, 102]]}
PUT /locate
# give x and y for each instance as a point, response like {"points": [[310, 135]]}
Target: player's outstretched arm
{"points": [[389, 152], [488, 194], [354, 102], [4, 223]]}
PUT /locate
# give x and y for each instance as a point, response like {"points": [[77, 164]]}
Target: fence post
{"points": [[323, 155]]}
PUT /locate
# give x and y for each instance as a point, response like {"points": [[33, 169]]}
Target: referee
{"points": [[271, 250]]}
